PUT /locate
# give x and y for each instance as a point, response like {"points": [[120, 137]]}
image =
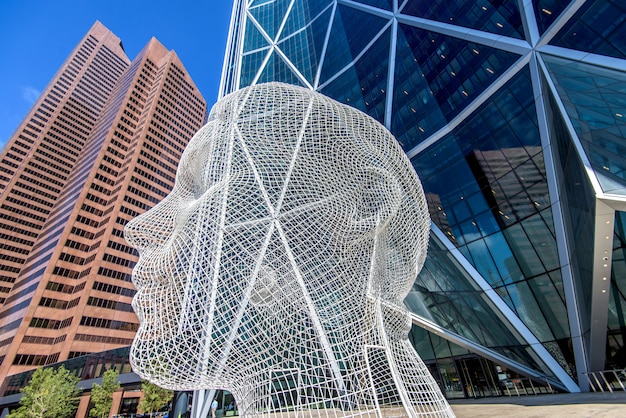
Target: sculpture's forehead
{"points": [[270, 129]]}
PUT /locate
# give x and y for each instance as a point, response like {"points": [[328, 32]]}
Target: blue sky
{"points": [[36, 36]]}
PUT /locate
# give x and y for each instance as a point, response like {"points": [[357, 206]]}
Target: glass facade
{"points": [[514, 119]]}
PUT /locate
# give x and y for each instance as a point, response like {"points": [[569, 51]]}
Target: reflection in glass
{"points": [[598, 27], [594, 100]]}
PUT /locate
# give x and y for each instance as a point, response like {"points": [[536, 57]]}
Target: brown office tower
{"points": [[99, 147]]}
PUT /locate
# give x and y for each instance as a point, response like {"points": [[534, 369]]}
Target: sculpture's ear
{"points": [[378, 199]]}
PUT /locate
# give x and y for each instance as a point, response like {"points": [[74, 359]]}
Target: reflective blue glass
{"points": [[304, 13], [270, 15], [351, 32], [304, 47], [363, 84], [595, 101], [254, 39], [551, 304], [381, 4], [488, 192], [435, 78], [445, 295], [599, 26], [250, 65], [501, 17], [546, 12], [577, 200], [616, 350], [277, 69]]}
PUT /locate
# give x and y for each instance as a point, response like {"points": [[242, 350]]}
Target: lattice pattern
{"points": [[277, 267]]}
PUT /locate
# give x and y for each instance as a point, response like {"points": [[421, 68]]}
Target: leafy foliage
{"points": [[102, 395], [154, 397], [50, 394]]}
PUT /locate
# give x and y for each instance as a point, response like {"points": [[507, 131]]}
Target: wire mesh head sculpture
{"points": [[277, 267]]}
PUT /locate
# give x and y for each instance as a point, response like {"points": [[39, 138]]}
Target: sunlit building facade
{"points": [[513, 114], [100, 146]]}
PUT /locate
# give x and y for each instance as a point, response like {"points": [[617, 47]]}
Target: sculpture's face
{"points": [[287, 213]]}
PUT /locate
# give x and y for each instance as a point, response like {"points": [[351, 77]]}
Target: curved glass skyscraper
{"points": [[514, 116]]}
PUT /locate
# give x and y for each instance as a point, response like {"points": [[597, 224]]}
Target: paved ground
{"points": [[579, 405]]}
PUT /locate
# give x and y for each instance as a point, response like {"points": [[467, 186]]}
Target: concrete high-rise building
{"points": [[100, 146], [513, 115]]}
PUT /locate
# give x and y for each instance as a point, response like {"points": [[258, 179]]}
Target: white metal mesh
{"points": [[277, 267]]}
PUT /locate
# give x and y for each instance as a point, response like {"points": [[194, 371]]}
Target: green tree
{"points": [[102, 395], [154, 397], [49, 394]]}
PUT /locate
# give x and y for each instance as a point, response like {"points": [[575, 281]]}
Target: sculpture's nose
{"points": [[148, 229], [138, 234]]}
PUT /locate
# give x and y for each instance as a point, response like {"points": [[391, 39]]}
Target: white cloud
{"points": [[30, 94]]}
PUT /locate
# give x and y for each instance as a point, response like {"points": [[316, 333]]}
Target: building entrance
{"points": [[478, 378]]}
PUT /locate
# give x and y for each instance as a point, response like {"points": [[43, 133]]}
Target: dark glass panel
{"points": [[381, 4], [595, 101], [304, 48], [302, 14], [441, 348], [551, 305], [530, 263], [616, 351], [351, 32], [546, 12], [444, 293], [542, 239], [577, 200], [598, 27], [277, 70], [435, 78], [529, 310], [250, 65], [253, 39], [270, 15], [364, 84], [487, 190], [419, 338], [501, 17]]}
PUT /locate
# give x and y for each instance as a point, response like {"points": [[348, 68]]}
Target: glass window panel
{"points": [[251, 63], [351, 32], [277, 69], [364, 84], [420, 339], [525, 253], [440, 347], [617, 298], [529, 310], [500, 17], [552, 306], [486, 223], [594, 101], [483, 261], [598, 27], [546, 12], [477, 189], [306, 13], [254, 39], [270, 15], [443, 292], [304, 48], [382, 4], [504, 259], [436, 78]]}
